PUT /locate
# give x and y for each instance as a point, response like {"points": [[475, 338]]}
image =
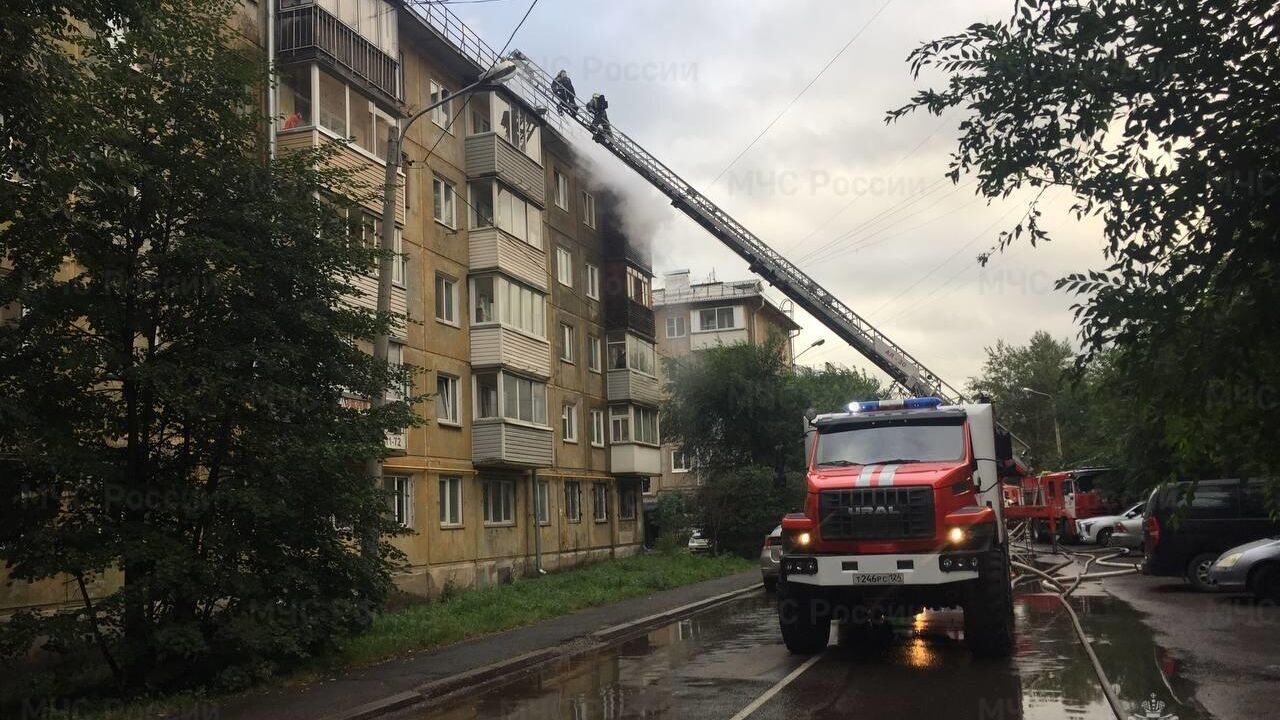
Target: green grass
{"points": [[467, 614]]}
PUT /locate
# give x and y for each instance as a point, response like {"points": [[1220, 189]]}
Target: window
{"points": [[446, 300], [675, 326], [450, 501], [593, 281], [600, 497], [542, 502], [566, 342], [442, 115], [679, 461], [638, 287], [294, 97], [517, 125], [333, 104], [487, 396], [562, 191], [620, 423], [498, 299], [569, 422], [447, 399], [501, 394], [399, 264], [630, 351], [493, 204], [597, 428], [627, 503], [573, 501], [395, 359], [646, 425], [399, 490], [445, 204], [564, 266], [593, 353], [715, 319], [499, 502], [588, 209]]}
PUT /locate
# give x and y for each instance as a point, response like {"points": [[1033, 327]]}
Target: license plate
{"points": [[878, 579]]}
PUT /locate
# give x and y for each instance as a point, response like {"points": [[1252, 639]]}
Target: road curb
{"points": [[514, 668]]}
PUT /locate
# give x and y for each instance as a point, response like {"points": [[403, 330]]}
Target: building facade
{"points": [[533, 452], [694, 316]]}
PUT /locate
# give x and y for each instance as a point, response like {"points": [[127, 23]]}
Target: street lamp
{"points": [[382, 341], [1053, 410], [812, 345]]}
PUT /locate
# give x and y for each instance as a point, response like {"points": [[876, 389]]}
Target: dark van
{"points": [[1222, 515]]}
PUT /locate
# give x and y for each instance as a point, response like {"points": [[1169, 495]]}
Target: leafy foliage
{"points": [[171, 396], [1161, 121], [737, 507]]}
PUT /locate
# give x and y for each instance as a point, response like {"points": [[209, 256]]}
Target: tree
{"points": [[739, 405], [1042, 365], [737, 507], [1160, 119], [171, 397]]}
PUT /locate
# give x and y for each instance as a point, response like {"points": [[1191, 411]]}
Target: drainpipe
{"points": [[537, 527], [271, 75]]}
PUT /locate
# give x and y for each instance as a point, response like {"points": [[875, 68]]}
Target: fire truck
{"points": [[1054, 501], [903, 511]]}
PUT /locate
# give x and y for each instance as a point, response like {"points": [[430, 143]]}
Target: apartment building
{"points": [[536, 444], [694, 316]]}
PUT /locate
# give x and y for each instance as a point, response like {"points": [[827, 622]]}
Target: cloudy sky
{"points": [[859, 205]]}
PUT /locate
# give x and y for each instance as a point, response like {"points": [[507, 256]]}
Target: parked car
{"points": [[1253, 567], [1186, 543], [1126, 533], [771, 559], [1098, 529], [699, 543]]}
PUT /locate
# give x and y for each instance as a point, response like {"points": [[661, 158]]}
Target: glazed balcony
{"points": [[309, 32]]}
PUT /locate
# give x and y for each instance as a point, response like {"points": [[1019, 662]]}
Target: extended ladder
{"points": [[533, 84]]}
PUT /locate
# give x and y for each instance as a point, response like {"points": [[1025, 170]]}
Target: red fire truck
{"points": [[904, 511], [1054, 501]]}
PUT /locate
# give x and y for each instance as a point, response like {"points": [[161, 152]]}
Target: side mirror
{"points": [[1005, 466]]}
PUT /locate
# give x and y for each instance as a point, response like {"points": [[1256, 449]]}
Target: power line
{"points": [[802, 92], [895, 208]]}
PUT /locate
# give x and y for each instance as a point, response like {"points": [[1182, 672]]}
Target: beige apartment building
{"points": [[694, 316], [529, 312]]}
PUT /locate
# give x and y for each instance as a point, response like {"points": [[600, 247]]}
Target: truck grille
{"points": [[878, 513]]}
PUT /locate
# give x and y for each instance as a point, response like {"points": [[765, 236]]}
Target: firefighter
{"points": [[562, 87], [599, 118]]}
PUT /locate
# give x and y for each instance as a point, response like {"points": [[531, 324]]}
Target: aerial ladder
{"points": [[534, 86]]}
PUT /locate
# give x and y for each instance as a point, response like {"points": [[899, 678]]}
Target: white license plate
{"points": [[878, 579]]}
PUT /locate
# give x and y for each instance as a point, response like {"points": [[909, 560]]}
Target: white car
{"points": [[699, 543], [1098, 530]]}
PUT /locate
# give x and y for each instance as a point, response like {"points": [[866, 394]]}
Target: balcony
{"points": [[492, 249], [623, 313], [496, 443], [489, 155], [496, 345], [715, 338], [627, 384], [635, 459], [309, 32]]}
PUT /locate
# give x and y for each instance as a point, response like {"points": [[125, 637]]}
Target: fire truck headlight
{"points": [[803, 539], [956, 535]]}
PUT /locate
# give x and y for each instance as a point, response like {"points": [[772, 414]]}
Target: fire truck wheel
{"points": [[805, 620], [988, 612]]}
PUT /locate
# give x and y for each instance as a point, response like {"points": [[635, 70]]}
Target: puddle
{"points": [[714, 664]]}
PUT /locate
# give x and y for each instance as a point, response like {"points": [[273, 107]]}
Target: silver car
{"points": [[1100, 529], [1253, 567], [699, 543], [771, 559]]}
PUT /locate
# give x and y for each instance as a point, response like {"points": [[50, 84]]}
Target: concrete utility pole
{"points": [[1053, 410], [386, 241]]}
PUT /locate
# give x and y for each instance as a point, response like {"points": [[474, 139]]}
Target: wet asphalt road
{"points": [[729, 663]]}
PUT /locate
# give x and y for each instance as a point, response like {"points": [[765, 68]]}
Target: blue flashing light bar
{"points": [[918, 403]]}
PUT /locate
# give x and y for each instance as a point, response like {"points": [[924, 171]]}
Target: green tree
{"points": [[737, 507], [1160, 120], [740, 405], [171, 398]]}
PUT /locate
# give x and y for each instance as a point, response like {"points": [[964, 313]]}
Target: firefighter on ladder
{"points": [[562, 87], [599, 118]]}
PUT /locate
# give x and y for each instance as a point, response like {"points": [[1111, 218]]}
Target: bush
{"points": [[738, 507]]}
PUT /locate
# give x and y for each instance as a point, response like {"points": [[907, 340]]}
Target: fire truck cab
{"points": [[903, 511]]}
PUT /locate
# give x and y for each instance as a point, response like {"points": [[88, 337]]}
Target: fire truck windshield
{"points": [[897, 443]]}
